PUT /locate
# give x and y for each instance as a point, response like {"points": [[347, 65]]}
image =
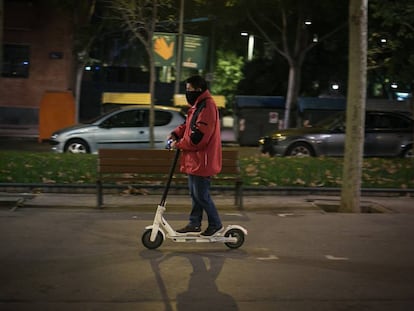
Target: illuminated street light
{"points": [[394, 85], [250, 44], [308, 22]]}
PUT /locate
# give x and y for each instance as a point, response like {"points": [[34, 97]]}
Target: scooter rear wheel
{"points": [[235, 233], [146, 239]]}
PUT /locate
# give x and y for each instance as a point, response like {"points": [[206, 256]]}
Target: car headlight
{"points": [[54, 136], [278, 137]]}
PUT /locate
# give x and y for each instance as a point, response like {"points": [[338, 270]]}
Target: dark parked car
{"points": [[387, 134], [125, 128]]}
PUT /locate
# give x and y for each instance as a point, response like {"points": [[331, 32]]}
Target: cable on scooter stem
{"points": [[170, 176]]}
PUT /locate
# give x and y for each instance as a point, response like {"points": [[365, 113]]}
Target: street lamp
{"points": [[250, 44], [335, 86]]}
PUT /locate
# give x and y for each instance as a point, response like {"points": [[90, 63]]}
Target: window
{"points": [[16, 61], [137, 118], [386, 122], [378, 122], [400, 123], [162, 118], [142, 118], [127, 118]]}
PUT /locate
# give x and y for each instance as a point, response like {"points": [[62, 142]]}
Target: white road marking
{"points": [[330, 257], [285, 214], [233, 214], [270, 257]]}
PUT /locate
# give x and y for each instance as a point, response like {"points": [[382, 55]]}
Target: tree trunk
{"points": [[292, 94], [355, 109]]}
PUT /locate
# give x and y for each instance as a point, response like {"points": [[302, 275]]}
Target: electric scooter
{"points": [[154, 235]]}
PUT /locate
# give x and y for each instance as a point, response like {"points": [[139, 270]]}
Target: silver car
{"points": [[125, 128], [387, 134]]}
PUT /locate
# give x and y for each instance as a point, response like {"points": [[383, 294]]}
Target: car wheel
{"points": [[408, 153], [77, 146], [300, 150]]}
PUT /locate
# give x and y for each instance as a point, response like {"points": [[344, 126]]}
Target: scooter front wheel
{"points": [[146, 239], [235, 233]]}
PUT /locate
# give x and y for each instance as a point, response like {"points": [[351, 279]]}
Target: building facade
{"points": [[37, 57]]}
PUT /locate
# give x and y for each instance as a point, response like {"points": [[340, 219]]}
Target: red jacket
{"points": [[201, 157]]}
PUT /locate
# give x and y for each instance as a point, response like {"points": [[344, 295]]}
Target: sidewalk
{"points": [[286, 203]]}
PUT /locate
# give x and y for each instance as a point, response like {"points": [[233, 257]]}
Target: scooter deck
{"points": [[199, 238]]}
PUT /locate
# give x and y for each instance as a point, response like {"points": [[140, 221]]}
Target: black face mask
{"points": [[192, 96]]}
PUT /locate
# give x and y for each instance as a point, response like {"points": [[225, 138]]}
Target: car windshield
{"points": [[331, 121]]}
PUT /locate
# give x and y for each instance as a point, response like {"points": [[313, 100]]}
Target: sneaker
{"points": [[211, 231], [189, 228]]}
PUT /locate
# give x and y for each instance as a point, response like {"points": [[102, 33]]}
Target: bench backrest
{"points": [[153, 161]]}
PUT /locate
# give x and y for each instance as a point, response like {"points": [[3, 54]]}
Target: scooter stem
{"points": [[170, 176]]}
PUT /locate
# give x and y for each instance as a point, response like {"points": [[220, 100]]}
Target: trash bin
{"points": [[257, 116]]}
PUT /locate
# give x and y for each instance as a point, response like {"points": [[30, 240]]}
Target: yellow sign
{"points": [[164, 49]]}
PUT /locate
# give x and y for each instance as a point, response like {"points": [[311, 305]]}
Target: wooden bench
{"points": [[146, 167]]}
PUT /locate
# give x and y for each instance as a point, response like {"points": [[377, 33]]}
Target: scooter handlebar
{"points": [[168, 144]]}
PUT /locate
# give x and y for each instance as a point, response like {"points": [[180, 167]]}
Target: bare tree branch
{"points": [[266, 36]]}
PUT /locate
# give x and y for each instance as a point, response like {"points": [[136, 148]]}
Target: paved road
{"points": [[77, 259]]}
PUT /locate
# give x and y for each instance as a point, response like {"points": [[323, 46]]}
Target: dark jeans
{"points": [[201, 201]]}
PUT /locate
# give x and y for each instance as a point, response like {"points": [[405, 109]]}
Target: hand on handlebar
{"points": [[171, 142]]}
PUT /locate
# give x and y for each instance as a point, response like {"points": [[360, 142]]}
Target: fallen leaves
{"points": [[326, 172]]}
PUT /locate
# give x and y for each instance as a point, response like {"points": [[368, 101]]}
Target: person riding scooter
{"points": [[199, 140]]}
